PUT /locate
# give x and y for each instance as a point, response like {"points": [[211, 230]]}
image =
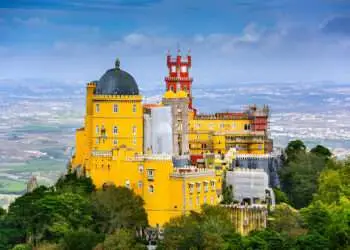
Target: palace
{"points": [[156, 149]]}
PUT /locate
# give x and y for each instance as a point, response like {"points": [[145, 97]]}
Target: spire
{"points": [[117, 64]]}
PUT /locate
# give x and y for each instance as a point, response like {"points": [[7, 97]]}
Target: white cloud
{"points": [[32, 21]]}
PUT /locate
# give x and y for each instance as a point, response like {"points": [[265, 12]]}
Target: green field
{"points": [[11, 186], [48, 169]]}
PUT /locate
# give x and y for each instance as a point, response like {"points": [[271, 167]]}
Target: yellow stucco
{"points": [[110, 150]]}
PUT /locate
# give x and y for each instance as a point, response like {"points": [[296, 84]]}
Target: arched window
{"points": [[97, 130], [134, 130], [115, 130], [151, 189], [134, 108], [115, 108]]}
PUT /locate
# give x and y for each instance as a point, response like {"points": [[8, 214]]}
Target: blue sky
{"points": [[232, 41]]}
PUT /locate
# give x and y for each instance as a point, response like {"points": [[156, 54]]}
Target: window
{"points": [[205, 186], [134, 108], [178, 86], [172, 88], [221, 125], [205, 199], [173, 68], [103, 131], [115, 142], [97, 107], [190, 187], [198, 186], [197, 200], [151, 189], [97, 140], [183, 68], [115, 108], [115, 130], [211, 200], [134, 140], [140, 169], [139, 184], [150, 174], [134, 130], [212, 183], [97, 130]]}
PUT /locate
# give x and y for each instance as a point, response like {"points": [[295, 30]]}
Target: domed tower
{"points": [[114, 117]]}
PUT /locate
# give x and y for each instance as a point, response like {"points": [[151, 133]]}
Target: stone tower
{"points": [[179, 111]]}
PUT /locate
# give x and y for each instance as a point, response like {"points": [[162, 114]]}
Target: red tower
{"points": [[179, 76]]}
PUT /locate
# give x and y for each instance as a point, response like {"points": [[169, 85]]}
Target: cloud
{"points": [[282, 53], [32, 21], [337, 25]]}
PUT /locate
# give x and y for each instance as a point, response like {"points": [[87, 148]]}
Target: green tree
{"points": [[286, 220], [210, 229], [74, 184], [299, 178], [295, 148], [120, 240], [280, 196], [316, 217], [227, 191], [266, 239], [312, 241], [321, 151], [118, 207], [46, 215], [82, 239]]}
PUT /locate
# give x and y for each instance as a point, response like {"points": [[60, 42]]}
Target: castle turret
{"points": [[179, 77]]}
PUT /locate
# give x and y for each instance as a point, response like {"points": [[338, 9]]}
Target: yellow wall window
{"points": [[115, 108], [97, 130], [134, 140], [212, 183], [139, 184], [134, 130], [115, 142], [190, 187], [115, 130], [97, 107], [197, 200], [140, 169], [151, 188], [150, 174], [198, 185], [134, 108], [205, 186]]}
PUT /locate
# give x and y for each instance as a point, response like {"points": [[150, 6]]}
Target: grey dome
{"points": [[117, 82]]}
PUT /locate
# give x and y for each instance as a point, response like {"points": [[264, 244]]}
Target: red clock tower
{"points": [[179, 76]]}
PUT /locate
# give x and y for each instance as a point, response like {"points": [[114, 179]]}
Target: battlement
{"points": [[101, 153], [191, 171], [117, 97], [254, 156], [91, 84]]}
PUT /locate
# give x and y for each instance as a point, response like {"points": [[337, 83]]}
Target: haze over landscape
{"points": [[244, 52]]}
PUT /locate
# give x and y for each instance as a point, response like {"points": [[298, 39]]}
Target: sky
{"points": [[231, 41]]}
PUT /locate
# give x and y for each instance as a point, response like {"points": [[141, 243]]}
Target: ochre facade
{"points": [[110, 147]]}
